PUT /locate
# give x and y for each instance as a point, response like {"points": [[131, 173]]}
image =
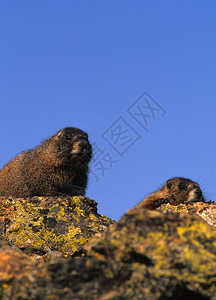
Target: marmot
{"points": [[177, 190], [59, 165]]}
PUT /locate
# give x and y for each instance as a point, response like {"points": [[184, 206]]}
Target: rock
{"points": [[14, 264], [145, 255], [42, 225], [207, 211]]}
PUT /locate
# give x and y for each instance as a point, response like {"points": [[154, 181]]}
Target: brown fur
{"points": [[59, 165], [177, 190]]}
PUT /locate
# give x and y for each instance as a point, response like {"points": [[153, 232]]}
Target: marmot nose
{"points": [[83, 144], [198, 191], [80, 147]]}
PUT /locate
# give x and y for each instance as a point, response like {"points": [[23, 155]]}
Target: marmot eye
{"points": [[169, 185], [68, 137], [181, 186]]}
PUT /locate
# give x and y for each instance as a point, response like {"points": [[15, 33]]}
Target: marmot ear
{"points": [[169, 184], [59, 134]]}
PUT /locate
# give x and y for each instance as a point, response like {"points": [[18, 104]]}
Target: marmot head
{"points": [[183, 190], [71, 144]]}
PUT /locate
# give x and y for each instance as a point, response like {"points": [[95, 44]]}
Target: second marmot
{"points": [[177, 190]]}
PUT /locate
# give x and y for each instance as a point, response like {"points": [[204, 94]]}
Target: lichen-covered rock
{"points": [[146, 255], [15, 264], [207, 211], [40, 225]]}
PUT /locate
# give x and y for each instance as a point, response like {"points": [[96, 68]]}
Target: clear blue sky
{"points": [[87, 64]]}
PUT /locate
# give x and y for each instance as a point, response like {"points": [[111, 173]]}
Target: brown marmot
{"points": [[59, 165], [177, 190]]}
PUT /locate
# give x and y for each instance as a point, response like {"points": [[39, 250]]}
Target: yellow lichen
{"points": [[58, 229]]}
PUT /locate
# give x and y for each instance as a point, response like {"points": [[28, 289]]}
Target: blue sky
{"points": [[92, 65]]}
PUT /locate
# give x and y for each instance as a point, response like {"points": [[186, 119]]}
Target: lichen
{"points": [[145, 255], [54, 224]]}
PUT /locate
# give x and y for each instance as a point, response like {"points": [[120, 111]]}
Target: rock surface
{"points": [[145, 255], [207, 211], [49, 227]]}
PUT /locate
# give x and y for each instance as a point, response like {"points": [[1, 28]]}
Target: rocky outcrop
{"points": [[207, 211], [145, 255], [47, 227]]}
